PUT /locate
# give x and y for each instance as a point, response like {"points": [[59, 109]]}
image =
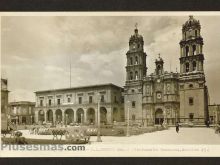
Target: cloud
{"points": [[36, 51], [53, 68]]}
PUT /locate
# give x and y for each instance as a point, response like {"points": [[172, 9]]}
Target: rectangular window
{"points": [[58, 101], [115, 99], [41, 102], [102, 98], [133, 104], [133, 117], [190, 101], [80, 100], [90, 99], [49, 102], [122, 99], [69, 99]]}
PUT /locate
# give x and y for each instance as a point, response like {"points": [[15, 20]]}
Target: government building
{"points": [[146, 99], [79, 105]]}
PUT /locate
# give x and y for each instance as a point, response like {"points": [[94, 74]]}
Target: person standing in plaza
{"points": [[177, 127]]}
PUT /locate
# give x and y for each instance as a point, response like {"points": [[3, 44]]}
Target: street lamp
{"points": [[81, 118], [31, 119], [164, 117], [216, 117], [66, 120], [128, 134], [98, 121], [16, 120]]}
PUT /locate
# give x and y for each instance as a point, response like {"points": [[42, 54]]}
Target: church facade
{"points": [[167, 97]]}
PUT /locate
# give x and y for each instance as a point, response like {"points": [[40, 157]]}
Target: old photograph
{"points": [[125, 84]]}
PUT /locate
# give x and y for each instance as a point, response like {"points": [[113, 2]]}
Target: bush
{"points": [[18, 134], [20, 140]]}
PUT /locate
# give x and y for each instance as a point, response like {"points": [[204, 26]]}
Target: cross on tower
{"points": [[159, 55], [136, 24]]}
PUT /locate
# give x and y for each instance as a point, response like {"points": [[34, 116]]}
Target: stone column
{"points": [[190, 50], [184, 51], [109, 115], [36, 116], [74, 116], [181, 51], [63, 116], [54, 117], [45, 116], [190, 66], [85, 116], [197, 49]]}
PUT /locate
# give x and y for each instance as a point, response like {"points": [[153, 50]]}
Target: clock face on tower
{"points": [[159, 96]]}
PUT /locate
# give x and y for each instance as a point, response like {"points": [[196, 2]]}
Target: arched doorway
{"points": [[159, 116], [69, 116], [103, 115], [116, 115], [91, 116], [41, 116], [80, 115], [50, 116], [58, 116]]}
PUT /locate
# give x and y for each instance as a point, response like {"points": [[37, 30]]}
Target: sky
{"points": [[36, 51]]}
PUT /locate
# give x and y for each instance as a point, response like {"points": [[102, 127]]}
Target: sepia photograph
{"points": [[110, 84]]}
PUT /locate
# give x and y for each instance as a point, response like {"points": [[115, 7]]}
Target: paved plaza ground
{"points": [[185, 136]]}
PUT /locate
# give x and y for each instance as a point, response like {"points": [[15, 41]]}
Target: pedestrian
{"points": [[177, 127], [208, 123]]}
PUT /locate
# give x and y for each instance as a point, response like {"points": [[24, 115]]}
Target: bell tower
{"points": [[136, 58], [193, 91], [191, 45], [135, 73], [159, 66]]}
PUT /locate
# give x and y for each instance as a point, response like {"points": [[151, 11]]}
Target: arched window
{"points": [[133, 117], [158, 69], [196, 33], [136, 60], [131, 61], [190, 23], [194, 65], [194, 49], [187, 67], [131, 76], [136, 75], [187, 50]]}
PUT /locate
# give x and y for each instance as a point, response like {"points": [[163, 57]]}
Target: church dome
{"points": [[191, 23], [159, 59], [136, 37]]}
